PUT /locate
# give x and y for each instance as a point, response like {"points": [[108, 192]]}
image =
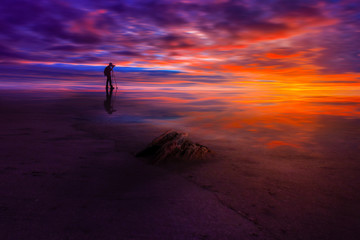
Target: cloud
{"points": [[69, 48], [200, 36], [127, 53]]}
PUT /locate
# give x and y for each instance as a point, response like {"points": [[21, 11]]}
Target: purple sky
{"points": [[259, 39]]}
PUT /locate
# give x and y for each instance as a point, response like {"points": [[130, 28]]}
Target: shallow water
{"points": [[304, 118]]}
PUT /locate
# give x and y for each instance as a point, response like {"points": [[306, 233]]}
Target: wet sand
{"points": [[67, 173], [61, 182]]}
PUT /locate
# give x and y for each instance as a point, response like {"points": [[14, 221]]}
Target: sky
{"points": [[209, 42]]}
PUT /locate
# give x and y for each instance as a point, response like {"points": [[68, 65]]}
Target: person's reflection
{"points": [[108, 103]]}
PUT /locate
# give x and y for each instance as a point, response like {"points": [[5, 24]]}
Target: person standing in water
{"points": [[107, 73]]}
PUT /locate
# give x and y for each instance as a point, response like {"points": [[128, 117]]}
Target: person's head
{"points": [[110, 64]]}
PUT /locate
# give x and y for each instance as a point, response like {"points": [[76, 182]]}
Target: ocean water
{"points": [[271, 117], [306, 118]]}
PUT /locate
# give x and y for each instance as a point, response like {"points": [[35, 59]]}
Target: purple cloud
{"points": [[147, 31]]}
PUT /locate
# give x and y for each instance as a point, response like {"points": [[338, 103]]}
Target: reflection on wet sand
{"points": [[286, 160], [108, 103], [270, 118]]}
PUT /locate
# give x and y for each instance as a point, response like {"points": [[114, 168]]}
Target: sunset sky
{"points": [[205, 41]]}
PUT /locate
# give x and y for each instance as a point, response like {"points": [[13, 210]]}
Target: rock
{"points": [[173, 146]]}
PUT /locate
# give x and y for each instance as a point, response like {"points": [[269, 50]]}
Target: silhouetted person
{"points": [[108, 103], [107, 73]]}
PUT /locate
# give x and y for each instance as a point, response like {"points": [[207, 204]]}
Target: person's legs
{"points": [[108, 81]]}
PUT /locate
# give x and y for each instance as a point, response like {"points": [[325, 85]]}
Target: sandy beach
{"points": [[67, 173]]}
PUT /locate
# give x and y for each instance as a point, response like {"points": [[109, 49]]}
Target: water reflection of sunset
{"points": [[268, 116]]}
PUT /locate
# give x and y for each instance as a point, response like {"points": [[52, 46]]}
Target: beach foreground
{"points": [[66, 174]]}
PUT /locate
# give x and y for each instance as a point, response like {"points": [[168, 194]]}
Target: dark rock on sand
{"points": [[173, 146]]}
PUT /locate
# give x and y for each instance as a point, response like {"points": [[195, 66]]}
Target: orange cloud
{"points": [[281, 56]]}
